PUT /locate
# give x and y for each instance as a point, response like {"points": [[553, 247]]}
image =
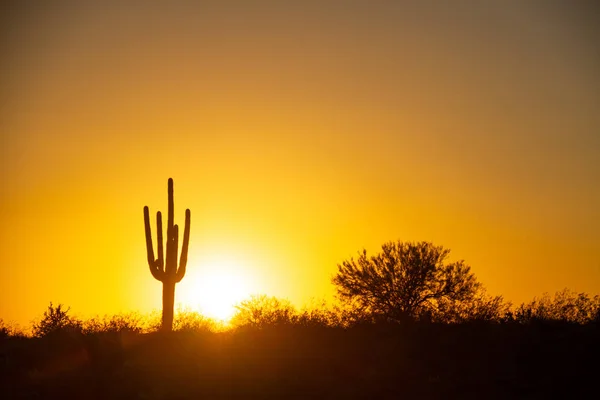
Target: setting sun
{"points": [[214, 288]]}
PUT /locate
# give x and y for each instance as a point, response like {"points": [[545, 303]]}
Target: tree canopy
{"points": [[405, 280]]}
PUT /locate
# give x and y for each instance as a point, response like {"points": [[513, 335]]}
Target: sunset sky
{"points": [[297, 133]]}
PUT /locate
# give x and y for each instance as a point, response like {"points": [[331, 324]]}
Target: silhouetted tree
{"points": [[404, 281], [166, 271]]}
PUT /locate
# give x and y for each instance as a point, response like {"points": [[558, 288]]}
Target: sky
{"points": [[297, 133]]}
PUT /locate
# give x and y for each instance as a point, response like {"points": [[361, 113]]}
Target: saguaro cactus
{"points": [[166, 270]]}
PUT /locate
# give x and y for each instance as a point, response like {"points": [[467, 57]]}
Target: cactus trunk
{"points": [[168, 303], [165, 268]]}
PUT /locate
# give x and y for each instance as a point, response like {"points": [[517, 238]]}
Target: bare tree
{"points": [[404, 281]]}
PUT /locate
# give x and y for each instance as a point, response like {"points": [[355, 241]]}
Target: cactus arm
{"points": [[169, 245], [156, 272], [161, 258], [152, 263], [149, 250], [184, 248]]}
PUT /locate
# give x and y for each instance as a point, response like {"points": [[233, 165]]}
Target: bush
{"points": [[481, 308], [56, 320], [565, 306], [10, 330], [187, 320], [131, 322], [318, 313], [261, 311]]}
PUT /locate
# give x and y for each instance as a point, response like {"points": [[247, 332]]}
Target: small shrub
{"points": [[152, 322], [261, 311], [187, 320], [4, 330], [56, 320], [327, 315], [131, 322], [482, 308], [565, 306], [10, 330]]}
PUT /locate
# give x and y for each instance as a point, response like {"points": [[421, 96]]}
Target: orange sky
{"points": [[297, 135]]}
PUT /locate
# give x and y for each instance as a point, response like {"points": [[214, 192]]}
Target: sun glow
{"points": [[215, 289]]}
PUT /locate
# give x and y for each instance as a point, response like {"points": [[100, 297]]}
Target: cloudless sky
{"points": [[298, 133]]}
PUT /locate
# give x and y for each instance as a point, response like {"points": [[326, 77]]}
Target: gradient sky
{"points": [[298, 133]]}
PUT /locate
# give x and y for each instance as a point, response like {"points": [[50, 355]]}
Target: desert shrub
{"points": [[152, 322], [318, 313], [565, 306], [56, 320], [10, 330], [129, 322], [261, 311], [351, 314], [337, 315], [4, 330], [187, 320], [184, 319], [481, 308]]}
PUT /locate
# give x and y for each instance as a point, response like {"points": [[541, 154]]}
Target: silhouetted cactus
{"points": [[166, 271]]}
